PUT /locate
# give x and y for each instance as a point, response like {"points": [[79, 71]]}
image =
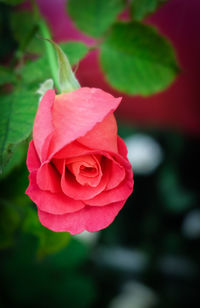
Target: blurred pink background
{"points": [[177, 107]]}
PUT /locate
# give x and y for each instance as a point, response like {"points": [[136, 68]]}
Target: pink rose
{"points": [[79, 176]]}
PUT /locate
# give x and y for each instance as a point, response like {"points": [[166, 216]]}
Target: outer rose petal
{"points": [[73, 149], [117, 174], [90, 218], [122, 149], [48, 178], [103, 136], [77, 112], [121, 192], [32, 161], [52, 203], [43, 126]]}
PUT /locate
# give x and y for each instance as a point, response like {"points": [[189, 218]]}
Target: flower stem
{"points": [[50, 52]]}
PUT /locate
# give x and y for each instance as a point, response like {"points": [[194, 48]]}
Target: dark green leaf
{"points": [[141, 8], [49, 241], [72, 256], [36, 46], [12, 2], [17, 114], [94, 17], [82, 285], [36, 71], [137, 60], [6, 76], [16, 159], [41, 282], [23, 25], [9, 221]]}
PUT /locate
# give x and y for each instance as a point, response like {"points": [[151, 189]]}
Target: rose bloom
{"points": [[79, 176]]}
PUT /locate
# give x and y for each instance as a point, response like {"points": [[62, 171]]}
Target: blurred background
{"points": [[149, 257]]}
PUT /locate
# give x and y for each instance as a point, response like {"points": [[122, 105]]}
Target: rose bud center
{"points": [[86, 169]]}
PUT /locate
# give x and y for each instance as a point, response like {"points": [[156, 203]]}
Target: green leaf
{"points": [[36, 71], [49, 242], [23, 25], [12, 2], [9, 222], [35, 46], [17, 114], [71, 257], [141, 8], [74, 50], [16, 159], [94, 17], [6, 75], [137, 60]]}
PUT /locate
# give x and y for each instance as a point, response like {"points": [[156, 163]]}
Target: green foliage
{"points": [[36, 71], [19, 107], [137, 60], [43, 283], [35, 46], [23, 25], [6, 75], [72, 256], [18, 213], [12, 2], [49, 241], [7, 41], [17, 115], [18, 155], [141, 8], [94, 17], [74, 50], [9, 222]]}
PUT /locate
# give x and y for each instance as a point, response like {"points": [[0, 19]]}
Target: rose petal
{"points": [[43, 126], [77, 191], [51, 203], [32, 161], [48, 178], [103, 136], [90, 219], [122, 149], [117, 174], [121, 192], [58, 163], [77, 112], [86, 169], [73, 149]]}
